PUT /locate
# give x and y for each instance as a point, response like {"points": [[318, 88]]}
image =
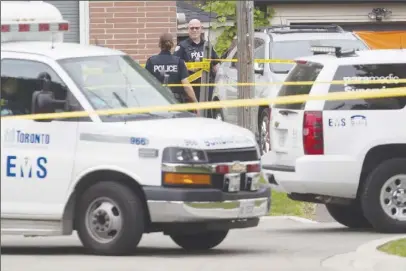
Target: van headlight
{"points": [[184, 156]]}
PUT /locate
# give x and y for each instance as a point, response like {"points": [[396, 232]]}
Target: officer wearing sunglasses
{"points": [[191, 50]]}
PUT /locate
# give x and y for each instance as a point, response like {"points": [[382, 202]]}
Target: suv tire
{"points": [[113, 208], [350, 216], [390, 175], [200, 241]]}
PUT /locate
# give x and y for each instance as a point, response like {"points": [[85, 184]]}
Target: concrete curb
{"points": [[294, 218], [368, 258], [372, 246]]}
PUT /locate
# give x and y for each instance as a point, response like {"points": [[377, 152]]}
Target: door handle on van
{"points": [[286, 112]]}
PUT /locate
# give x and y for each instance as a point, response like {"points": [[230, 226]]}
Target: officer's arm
{"points": [[148, 66], [186, 85], [179, 52]]}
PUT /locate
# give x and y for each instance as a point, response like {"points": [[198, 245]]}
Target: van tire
{"points": [[199, 241], [129, 211], [370, 196], [350, 216]]}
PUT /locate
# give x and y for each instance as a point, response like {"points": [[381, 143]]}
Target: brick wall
{"points": [[132, 26]]}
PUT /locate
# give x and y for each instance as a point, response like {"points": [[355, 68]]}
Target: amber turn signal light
{"points": [[186, 179]]}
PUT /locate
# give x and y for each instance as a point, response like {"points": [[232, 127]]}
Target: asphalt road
{"points": [[277, 244]]}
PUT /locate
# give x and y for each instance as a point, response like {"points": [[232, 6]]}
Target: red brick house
{"points": [[131, 26]]}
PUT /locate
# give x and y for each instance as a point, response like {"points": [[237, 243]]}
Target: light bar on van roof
{"points": [[34, 27]]}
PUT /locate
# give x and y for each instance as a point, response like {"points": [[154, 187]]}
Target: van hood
{"points": [[197, 132]]}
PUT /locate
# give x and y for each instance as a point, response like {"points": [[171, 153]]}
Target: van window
{"points": [[19, 80], [297, 48], [368, 72], [301, 72], [115, 82], [259, 51]]}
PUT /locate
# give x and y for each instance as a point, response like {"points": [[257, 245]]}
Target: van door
{"points": [[286, 125], [37, 155]]}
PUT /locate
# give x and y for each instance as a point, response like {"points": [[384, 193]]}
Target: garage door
{"points": [[70, 12]]}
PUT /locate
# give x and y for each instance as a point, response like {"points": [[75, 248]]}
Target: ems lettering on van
{"points": [[165, 68], [25, 167]]}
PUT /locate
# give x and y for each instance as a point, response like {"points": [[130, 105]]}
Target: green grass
{"points": [[282, 205], [397, 247]]}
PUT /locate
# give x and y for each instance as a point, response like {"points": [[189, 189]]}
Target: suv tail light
{"points": [[313, 142]]}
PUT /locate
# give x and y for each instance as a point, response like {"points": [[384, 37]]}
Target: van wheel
{"points": [[200, 241], [384, 196], [263, 128], [110, 219], [350, 216]]}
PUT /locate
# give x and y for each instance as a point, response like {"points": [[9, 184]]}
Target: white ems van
{"points": [[111, 178]]}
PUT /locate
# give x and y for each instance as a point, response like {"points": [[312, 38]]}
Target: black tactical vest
{"points": [[168, 64]]}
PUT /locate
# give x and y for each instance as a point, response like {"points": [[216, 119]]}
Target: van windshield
{"points": [[116, 82], [298, 48]]}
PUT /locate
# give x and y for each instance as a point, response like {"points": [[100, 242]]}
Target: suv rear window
{"points": [[301, 72], [368, 72]]}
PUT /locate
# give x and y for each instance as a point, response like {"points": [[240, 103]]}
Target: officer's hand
{"points": [[194, 70]]}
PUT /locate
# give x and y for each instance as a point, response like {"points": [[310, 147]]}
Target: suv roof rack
{"points": [[301, 28]]}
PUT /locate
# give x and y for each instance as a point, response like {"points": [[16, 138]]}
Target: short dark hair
{"points": [[166, 41]]}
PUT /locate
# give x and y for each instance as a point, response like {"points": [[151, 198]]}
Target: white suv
{"points": [[285, 42], [349, 155]]}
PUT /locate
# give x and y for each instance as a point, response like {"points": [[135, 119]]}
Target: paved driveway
{"points": [[277, 244]]}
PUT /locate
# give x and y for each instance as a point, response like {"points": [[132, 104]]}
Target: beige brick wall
{"points": [[132, 26]]}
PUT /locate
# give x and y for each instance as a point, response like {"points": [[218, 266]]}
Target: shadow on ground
{"points": [[141, 251]]}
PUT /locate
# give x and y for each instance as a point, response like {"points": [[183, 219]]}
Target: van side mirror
{"points": [[258, 68]]}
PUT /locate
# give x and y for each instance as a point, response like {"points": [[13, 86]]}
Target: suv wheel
{"points": [[384, 196], [200, 241], [350, 216], [263, 127], [110, 219]]}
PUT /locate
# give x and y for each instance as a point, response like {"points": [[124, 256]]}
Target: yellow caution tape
{"points": [[293, 99], [298, 83], [194, 65], [303, 83], [286, 61], [195, 76]]}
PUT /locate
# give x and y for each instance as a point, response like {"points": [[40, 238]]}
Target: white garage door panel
{"points": [[70, 12]]}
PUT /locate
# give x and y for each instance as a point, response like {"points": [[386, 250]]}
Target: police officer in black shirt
{"points": [[175, 68], [191, 50]]}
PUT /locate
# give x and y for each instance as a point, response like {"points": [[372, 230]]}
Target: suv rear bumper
{"points": [[336, 176], [173, 205]]}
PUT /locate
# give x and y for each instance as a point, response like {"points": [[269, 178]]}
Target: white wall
{"points": [[286, 14]]}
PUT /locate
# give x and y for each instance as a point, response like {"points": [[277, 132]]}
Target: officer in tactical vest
{"points": [[165, 65], [191, 50]]}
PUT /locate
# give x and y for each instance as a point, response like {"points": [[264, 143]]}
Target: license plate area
{"points": [[232, 182], [246, 208], [282, 135]]}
